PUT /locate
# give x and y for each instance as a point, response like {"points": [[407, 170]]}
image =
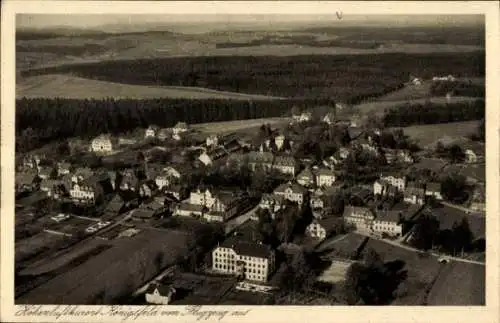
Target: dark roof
{"points": [[294, 186], [247, 248], [328, 223], [191, 207], [433, 187], [285, 161], [307, 172], [162, 289], [354, 132], [389, 215]]}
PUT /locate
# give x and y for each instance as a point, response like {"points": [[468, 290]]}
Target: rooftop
{"points": [[247, 248]]}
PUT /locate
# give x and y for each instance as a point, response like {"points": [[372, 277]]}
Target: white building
{"points": [[324, 177], [292, 192], [360, 217], [279, 141], [103, 144], [398, 181], [151, 132], [212, 141], [179, 128], [87, 192], [388, 222], [159, 294], [251, 261]]}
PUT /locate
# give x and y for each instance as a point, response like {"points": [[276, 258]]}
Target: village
{"points": [[257, 196]]}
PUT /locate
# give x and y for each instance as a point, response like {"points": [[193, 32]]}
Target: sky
{"points": [[100, 21]]}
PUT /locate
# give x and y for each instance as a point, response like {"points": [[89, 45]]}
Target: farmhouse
{"points": [[44, 172], [360, 217], [103, 144], [292, 192], [159, 294], [474, 152], [303, 117], [251, 261], [176, 191], [224, 207]]}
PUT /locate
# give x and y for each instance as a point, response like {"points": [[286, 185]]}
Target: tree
{"points": [[425, 234], [462, 235], [456, 154], [453, 188]]}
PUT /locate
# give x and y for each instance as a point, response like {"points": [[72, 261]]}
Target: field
{"points": [[344, 246], [335, 273], [35, 244], [421, 270], [379, 107], [428, 135], [459, 284], [237, 125], [114, 273], [448, 215], [72, 87]]}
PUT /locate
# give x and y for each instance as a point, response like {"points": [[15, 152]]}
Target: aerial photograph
{"points": [[238, 159]]}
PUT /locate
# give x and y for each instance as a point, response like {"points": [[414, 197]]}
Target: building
{"points": [[88, 191], [151, 132], [53, 187], [63, 168], [317, 201], [478, 201], [272, 202], [414, 195], [224, 207], [329, 118], [396, 180], [322, 228], [179, 128], [292, 192], [388, 222], [433, 189], [177, 191], [306, 178], [159, 294], [81, 174], [279, 141], [205, 159], [251, 261], [146, 189], [360, 217], [212, 141], [449, 78], [260, 160], [303, 117], [103, 144], [45, 172], [285, 165], [130, 181], [188, 209], [324, 177]]}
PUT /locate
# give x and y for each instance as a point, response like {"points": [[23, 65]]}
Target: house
{"points": [[177, 191], [306, 178], [292, 192], [188, 209], [88, 191], [303, 117], [152, 131], [414, 195], [224, 207], [329, 118], [27, 181], [317, 201], [260, 160], [206, 159], [433, 189], [103, 144], [394, 179], [360, 217], [53, 187], [171, 175], [416, 81], [279, 141], [212, 141], [146, 188], [63, 168], [130, 181], [272, 202], [159, 294], [45, 172], [285, 165], [478, 201], [324, 177], [249, 260], [179, 128], [388, 222], [380, 187], [31, 161], [322, 228], [474, 152]]}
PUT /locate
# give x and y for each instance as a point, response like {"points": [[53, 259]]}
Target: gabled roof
{"points": [[255, 156], [272, 198], [324, 172], [296, 188], [389, 215], [246, 248], [285, 161], [307, 172], [349, 210]]}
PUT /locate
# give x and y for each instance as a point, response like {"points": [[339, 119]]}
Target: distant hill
{"points": [[66, 86]]}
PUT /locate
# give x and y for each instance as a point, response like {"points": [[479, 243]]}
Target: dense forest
{"points": [[429, 113], [41, 120], [343, 77]]}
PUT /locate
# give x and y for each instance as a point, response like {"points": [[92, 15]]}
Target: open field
{"points": [[113, 273], [428, 135], [335, 273], [72, 87], [447, 216], [35, 244], [409, 92], [421, 270], [343, 247], [237, 125], [459, 284], [379, 107]]}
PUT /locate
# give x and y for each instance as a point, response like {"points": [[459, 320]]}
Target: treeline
{"points": [[344, 77], [302, 41], [431, 113], [458, 88], [41, 120]]}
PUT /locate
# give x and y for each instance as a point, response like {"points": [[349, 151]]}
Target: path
{"points": [[398, 244], [464, 209], [157, 278]]}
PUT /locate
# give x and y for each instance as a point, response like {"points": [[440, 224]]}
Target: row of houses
{"points": [[413, 192]]}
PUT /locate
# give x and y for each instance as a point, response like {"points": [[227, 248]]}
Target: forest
{"points": [[343, 77], [431, 113]]}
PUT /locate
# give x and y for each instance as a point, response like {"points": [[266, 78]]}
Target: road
{"points": [[239, 220], [464, 209], [398, 244]]}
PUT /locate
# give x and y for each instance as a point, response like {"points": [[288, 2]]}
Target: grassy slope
{"points": [[80, 88]]}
